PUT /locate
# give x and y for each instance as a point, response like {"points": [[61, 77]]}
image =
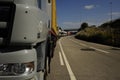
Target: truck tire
{"points": [[42, 60], [48, 56]]}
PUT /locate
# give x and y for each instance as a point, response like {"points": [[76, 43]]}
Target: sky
{"points": [[71, 13]]}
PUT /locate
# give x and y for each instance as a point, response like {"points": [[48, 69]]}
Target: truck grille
{"points": [[7, 12]]}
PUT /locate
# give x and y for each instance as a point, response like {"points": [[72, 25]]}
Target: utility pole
{"points": [[111, 29], [111, 12]]}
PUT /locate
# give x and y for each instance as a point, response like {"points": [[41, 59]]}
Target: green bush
{"points": [[96, 35]]}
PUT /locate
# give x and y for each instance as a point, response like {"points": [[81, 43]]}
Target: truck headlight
{"points": [[16, 69]]}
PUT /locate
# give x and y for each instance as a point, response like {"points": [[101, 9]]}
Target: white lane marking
{"points": [[61, 59], [100, 50], [71, 74], [79, 43]]}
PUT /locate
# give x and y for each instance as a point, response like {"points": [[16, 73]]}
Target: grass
{"points": [[97, 35]]}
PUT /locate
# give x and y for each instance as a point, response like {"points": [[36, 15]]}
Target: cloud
{"points": [[71, 24], [115, 14], [89, 7]]}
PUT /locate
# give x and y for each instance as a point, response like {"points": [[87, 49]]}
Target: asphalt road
{"points": [[80, 60]]}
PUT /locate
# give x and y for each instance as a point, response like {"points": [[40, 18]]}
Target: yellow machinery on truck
{"points": [[54, 27], [54, 18]]}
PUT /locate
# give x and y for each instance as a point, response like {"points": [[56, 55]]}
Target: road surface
{"points": [[80, 60]]}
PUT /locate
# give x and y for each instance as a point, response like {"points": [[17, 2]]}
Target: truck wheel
{"points": [[48, 56], [42, 60], [46, 69]]}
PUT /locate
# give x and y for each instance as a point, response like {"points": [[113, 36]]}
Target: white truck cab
{"points": [[24, 33]]}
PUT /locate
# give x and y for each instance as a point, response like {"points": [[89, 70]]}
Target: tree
{"points": [[83, 26], [105, 25], [93, 26], [116, 24]]}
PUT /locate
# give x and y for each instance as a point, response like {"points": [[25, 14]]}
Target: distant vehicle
{"points": [[28, 34], [62, 33]]}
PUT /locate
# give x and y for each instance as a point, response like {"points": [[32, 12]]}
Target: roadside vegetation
{"points": [[107, 33]]}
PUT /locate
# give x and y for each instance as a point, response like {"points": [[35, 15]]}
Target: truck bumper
{"points": [[22, 56]]}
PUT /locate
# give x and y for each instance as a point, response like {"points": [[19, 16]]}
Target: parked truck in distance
{"points": [[28, 34]]}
